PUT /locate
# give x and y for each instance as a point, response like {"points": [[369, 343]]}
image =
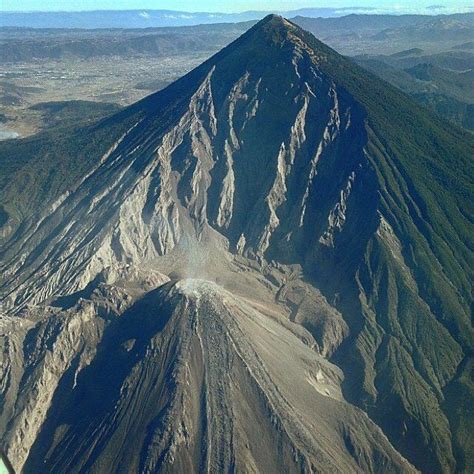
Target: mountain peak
{"points": [[273, 18], [279, 31], [272, 22]]}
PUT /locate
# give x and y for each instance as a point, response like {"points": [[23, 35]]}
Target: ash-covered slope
{"points": [[224, 148], [279, 152], [186, 379]]}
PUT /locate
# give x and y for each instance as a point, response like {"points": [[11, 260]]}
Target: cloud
{"points": [[402, 9], [348, 10], [144, 15], [362, 9], [178, 17]]}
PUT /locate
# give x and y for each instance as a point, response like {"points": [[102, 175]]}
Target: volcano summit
{"points": [[264, 267]]}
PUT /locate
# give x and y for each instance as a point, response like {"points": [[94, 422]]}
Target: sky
{"points": [[225, 6]]}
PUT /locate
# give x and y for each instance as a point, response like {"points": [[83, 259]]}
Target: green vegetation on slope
{"points": [[416, 322], [448, 92], [37, 170], [73, 112]]}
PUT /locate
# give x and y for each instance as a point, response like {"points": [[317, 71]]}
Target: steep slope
{"points": [[194, 378], [279, 153]]}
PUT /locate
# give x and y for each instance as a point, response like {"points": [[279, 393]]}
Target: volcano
{"points": [[264, 267]]}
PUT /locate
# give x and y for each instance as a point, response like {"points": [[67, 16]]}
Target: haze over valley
{"points": [[120, 66]]}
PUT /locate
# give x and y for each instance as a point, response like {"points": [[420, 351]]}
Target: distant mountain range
{"points": [[160, 18], [148, 18], [385, 44], [349, 34]]}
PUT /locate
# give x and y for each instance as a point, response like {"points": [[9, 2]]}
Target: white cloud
{"points": [[178, 17]]}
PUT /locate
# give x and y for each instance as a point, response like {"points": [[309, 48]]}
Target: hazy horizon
{"points": [[187, 6]]}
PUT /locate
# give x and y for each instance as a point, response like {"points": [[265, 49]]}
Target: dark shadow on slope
{"points": [[81, 420], [68, 301]]}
